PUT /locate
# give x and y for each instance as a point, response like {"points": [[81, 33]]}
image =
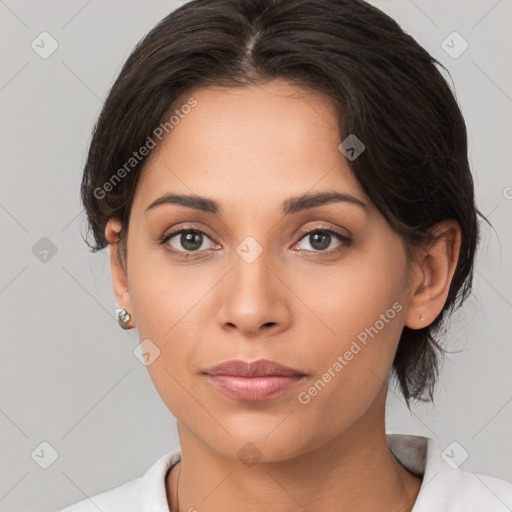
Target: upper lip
{"points": [[259, 368]]}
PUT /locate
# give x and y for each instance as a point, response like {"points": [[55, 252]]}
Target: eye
{"points": [[186, 241], [321, 238]]}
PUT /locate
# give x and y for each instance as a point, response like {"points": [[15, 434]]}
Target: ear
{"points": [[434, 269], [119, 277]]}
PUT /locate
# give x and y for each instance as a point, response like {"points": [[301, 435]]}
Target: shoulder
{"points": [[120, 498], [145, 493], [445, 486], [474, 492]]}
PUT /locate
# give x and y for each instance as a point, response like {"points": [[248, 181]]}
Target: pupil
{"points": [[326, 239], [191, 241]]}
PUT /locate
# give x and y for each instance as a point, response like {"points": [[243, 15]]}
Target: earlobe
{"points": [[434, 272], [119, 277]]}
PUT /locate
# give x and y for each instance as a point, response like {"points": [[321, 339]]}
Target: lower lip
{"points": [[256, 389]]}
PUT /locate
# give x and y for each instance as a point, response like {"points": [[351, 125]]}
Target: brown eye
{"points": [[186, 241], [322, 239]]}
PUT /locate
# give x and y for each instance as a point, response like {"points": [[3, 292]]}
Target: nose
{"points": [[254, 300]]}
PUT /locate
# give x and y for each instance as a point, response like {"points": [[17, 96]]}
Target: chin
{"points": [[266, 440]]}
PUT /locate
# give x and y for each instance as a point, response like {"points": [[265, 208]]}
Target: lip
{"points": [[259, 368], [255, 381]]}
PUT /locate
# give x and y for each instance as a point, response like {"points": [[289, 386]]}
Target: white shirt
{"points": [[445, 488]]}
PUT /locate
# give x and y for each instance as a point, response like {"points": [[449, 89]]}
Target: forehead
{"points": [[257, 143]]}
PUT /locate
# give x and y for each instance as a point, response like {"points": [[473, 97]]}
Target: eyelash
{"points": [[346, 241]]}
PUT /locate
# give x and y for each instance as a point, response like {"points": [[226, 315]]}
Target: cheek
{"points": [[161, 292], [170, 302], [167, 308], [351, 296], [360, 308]]}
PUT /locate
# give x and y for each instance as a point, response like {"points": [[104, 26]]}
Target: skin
{"points": [[249, 149]]}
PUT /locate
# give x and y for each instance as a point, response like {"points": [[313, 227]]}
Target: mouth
{"points": [[254, 381]]}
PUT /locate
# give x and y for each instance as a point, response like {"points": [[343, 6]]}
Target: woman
{"points": [[285, 192]]}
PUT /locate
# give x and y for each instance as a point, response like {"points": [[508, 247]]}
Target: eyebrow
{"points": [[290, 206]]}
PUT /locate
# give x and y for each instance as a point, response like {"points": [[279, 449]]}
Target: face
{"points": [[322, 289]]}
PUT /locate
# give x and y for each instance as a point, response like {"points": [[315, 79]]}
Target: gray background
{"points": [[68, 373]]}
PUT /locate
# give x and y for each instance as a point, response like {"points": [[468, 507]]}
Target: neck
{"points": [[352, 472]]}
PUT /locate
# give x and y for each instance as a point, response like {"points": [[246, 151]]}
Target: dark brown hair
{"points": [[388, 92]]}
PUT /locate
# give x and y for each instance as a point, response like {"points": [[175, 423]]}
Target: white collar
{"points": [[443, 488]]}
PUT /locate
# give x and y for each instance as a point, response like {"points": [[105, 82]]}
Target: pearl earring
{"points": [[123, 318]]}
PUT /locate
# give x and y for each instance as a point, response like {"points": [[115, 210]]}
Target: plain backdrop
{"points": [[68, 373]]}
